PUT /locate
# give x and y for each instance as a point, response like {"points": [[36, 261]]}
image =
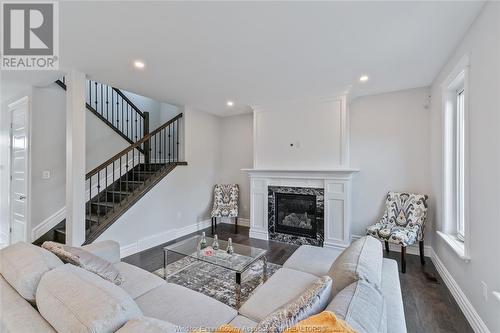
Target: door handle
{"points": [[22, 197]]}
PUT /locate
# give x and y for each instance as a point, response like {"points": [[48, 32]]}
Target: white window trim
{"points": [[461, 248]]}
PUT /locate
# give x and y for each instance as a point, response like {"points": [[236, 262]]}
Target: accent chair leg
{"points": [[212, 225], [387, 246], [236, 225], [421, 247], [403, 259]]}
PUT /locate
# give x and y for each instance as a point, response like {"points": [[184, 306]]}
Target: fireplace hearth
{"points": [[296, 215]]}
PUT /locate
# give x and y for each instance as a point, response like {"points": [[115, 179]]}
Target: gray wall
{"points": [[390, 145], [181, 199], [237, 153], [482, 44]]}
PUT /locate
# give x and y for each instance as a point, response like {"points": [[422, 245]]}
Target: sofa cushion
{"points": [[362, 306], [108, 250], [391, 289], [282, 287], [361, 260], [312, 259], [17, 315], [310, 302], [136, 281], [243, 323], [86, 260], [23, 265], [148, 325], [184, 307], [72, 299]]}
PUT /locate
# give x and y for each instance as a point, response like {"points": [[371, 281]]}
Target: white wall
{"points": [[237, 154], [159, 112], [181, 199], [390, 145], [314, 127], [482, 44], [48, 134]]}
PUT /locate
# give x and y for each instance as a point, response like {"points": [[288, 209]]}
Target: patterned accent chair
{"points": [[225, 202], [403, 223]]}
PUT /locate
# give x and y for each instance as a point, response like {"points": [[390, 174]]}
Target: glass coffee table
{"points": [[239, 261]]}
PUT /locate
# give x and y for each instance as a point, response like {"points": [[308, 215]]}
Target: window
{"points": [[454, 228], [459, 163]]}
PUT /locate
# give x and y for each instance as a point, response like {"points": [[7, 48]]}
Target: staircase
{"points": [[118, 183]]}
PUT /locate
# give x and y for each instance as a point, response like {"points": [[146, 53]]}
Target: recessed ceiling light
{"points": [[363, 78], [229, 103], [139, 64]]}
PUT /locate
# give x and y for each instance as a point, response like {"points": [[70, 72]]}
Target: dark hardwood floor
{"points": [[429, 306]]}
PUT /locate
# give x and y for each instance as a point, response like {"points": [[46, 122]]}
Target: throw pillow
{"points": [[361, 260], [311, 301], [23, 265], [362, 306], [324, 322], [86, 260]]}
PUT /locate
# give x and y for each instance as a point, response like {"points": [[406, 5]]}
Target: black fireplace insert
{"points": [[295, 214]]}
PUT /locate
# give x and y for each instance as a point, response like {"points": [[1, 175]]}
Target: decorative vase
{"points": [[230, 249], [215, 244], [203, 241]]}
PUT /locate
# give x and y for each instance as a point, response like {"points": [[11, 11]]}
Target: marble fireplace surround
{"points": [[337, 199]]}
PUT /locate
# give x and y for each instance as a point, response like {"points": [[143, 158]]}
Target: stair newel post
{"points": [[147, 151]]}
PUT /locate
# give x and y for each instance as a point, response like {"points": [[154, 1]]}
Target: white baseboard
{"points": [[414, 249], [48, 224], [465, 305], [258, 234], [160, 238], [241, 221]]}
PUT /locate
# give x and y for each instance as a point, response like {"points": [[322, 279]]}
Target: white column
{"points": [[75, 158]]}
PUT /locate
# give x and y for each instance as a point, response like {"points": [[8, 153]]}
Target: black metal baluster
{"points": [[177, 140], [126, 170], [121, 178], [133, 167], [165, 146], [113, 184], [102, 105], [89, 207], [122, 114], [106, 188], [98, 195], [107, 103], [168, 144], [117, 113], [96, 97], [128, 124]]}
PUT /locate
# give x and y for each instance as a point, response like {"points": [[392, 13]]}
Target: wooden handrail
{"points": [[118, 91], [131, 147]]}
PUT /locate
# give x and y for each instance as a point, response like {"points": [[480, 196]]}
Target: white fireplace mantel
{"points": [[337, 187]]}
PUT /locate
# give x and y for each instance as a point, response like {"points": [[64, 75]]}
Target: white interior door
{"points": [[19, 157]]}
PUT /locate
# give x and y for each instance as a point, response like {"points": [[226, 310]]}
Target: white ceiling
{"points": [[204, 53]]}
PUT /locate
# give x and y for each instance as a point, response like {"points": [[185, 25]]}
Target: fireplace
{"points": [[296, 215]]}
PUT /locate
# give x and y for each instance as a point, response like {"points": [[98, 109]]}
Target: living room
{"points": [[263, 165]]}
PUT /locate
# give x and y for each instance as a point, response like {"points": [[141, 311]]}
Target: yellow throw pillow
{"points": [[324, 322]]}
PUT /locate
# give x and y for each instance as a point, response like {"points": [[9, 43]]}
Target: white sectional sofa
{"points": [[70, 302]]}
